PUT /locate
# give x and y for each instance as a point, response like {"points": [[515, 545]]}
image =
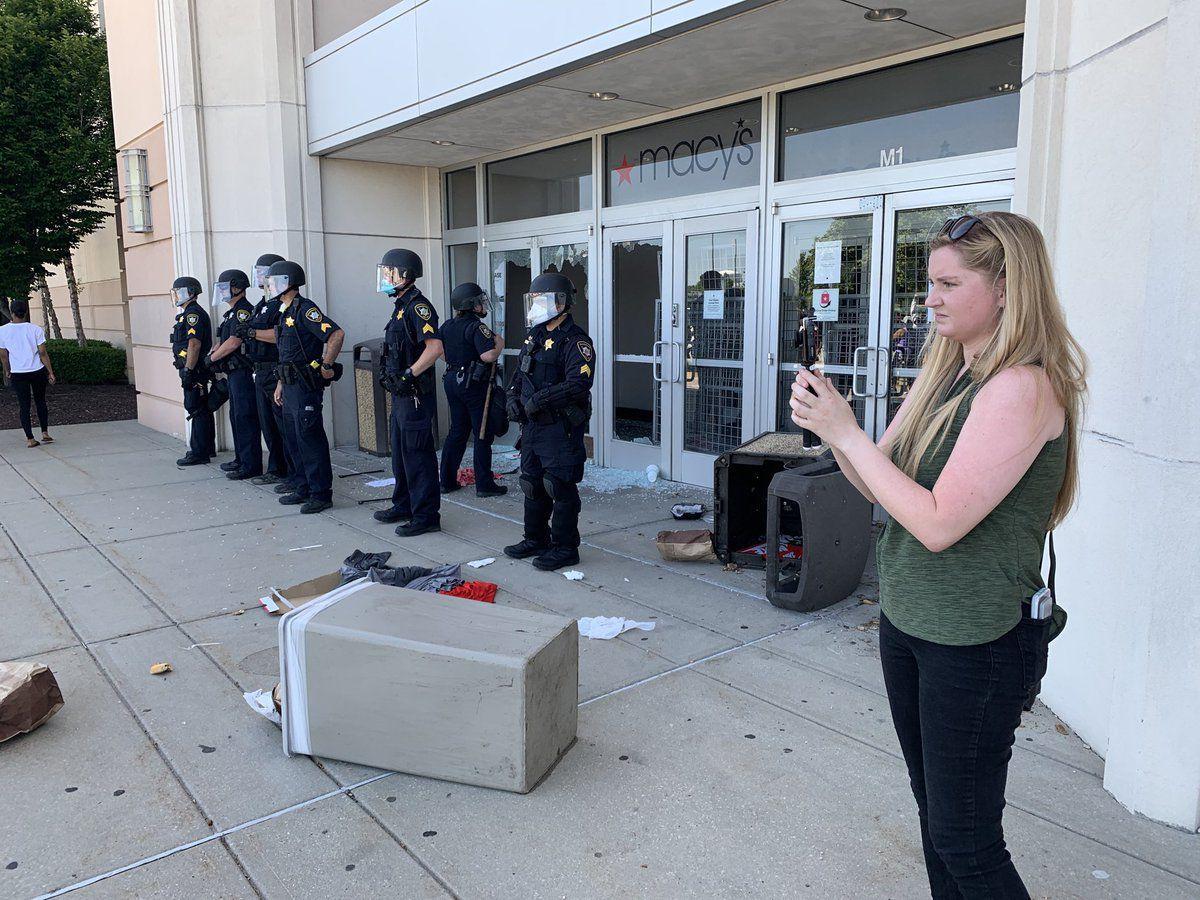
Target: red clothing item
{"points": [[483, 591]]}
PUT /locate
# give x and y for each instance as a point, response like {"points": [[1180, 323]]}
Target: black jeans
{"points": [[25, 383], [956, 712]]}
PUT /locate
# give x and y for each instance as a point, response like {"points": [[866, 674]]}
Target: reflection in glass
{"points": [[714, 322], [463, 261], [545, 183], [837, 339], [571, 260], [460, 199], [910, 325], [509, 276], [951, 105], [637, 324]]}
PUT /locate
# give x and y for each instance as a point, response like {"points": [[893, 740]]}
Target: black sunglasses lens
{"points": [[958, 228]]}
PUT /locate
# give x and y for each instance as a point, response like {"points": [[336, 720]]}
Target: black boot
{"points": [[412, 529], [490, 490], [556, 558], [188, 460], [293, 499], [230, 465], [313, 505], [525, 549], [391, 514]]}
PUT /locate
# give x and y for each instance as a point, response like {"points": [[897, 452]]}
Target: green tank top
{"points": [[971, 593]]}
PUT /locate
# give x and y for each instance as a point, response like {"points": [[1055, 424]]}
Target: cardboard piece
{"points": [[281, 600], [29, 695], [429, 685], [693, 545]]}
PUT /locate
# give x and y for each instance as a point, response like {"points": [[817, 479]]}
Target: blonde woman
{"points": [[979, 462]]}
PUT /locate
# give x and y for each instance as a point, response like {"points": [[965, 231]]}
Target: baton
{"points": [[487, 404]]}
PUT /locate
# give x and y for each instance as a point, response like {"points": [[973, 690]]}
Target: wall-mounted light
{"points": [[604, 95], [137, 191], [885, 14]]}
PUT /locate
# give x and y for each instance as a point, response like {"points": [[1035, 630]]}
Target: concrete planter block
{"points": [[429, 685]]}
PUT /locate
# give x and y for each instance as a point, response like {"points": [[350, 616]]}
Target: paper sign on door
{"points": [[827, 262], [714, 304], [825, 304]]}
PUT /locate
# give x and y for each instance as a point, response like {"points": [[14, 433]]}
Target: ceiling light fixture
{"points": [[443, 143], [1006, 88], [885, 14], [604, 95]]}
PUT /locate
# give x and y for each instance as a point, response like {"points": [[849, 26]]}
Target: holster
{"points": [[479, 372]]}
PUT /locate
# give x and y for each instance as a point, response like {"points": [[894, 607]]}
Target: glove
{"points": [[243, 331], [515, 410], [533, 406], [187, 378], [406, 383]]}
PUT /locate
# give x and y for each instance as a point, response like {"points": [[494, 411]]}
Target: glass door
{"points": [[709, 324], [827, 258], [509, 274], [911, 221], [637, 358]]}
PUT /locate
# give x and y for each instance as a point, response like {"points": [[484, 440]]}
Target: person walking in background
{"points": [[978, 464], [27, 368]]}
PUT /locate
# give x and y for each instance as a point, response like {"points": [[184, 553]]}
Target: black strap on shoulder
{"points": [[1053, 565]]}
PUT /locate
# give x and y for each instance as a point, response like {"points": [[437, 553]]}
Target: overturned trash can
{"points": [[373, 402], [825, 525]]}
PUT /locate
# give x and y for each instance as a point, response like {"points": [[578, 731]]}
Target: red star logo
{"points": [[624, 170]]}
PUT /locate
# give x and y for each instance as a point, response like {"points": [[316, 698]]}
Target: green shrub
{"points": [[97, 363]]}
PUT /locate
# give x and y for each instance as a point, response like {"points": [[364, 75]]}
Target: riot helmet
{"points": [[550, 295], [282, 277], [396, 266], [261, 265], [228, 283], [185, 290], [468, 297]]}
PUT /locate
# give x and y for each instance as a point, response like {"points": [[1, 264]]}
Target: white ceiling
{"points": [[780, 41]]}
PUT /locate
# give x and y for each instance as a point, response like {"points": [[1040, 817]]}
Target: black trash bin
{"points": [[373, 402], [815, 504]]}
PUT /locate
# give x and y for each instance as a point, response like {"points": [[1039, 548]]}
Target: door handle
{"points": [[656, 362], [676, 370], [886, 359], [854, 372]]}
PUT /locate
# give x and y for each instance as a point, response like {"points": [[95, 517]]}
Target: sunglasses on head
{"points": [[959, 228]]}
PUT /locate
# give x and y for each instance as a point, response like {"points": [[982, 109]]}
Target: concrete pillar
{"points": [[1109, 164]]}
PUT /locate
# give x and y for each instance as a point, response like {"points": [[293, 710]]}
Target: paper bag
{"points": [[686, 546], [29, 696]]}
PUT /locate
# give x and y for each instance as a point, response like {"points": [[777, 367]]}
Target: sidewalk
{"points": [[736, 750]]}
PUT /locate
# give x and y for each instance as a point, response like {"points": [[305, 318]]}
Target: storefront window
{"points": [[460, 199], [463, 262], [570, 260], [546, 183], [952, 105], [710, 151]]}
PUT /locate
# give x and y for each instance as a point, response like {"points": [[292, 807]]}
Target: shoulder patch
{"points": [[424, 310], [243, 315], [313, 314], [193, 318], [585, 350], [485, 331]]}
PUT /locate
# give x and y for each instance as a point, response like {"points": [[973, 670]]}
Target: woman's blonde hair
{"points": [[1031, 330]]}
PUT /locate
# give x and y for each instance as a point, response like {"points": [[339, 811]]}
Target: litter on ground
{"points": [[480, 563], [573, 575], [604, 628]]}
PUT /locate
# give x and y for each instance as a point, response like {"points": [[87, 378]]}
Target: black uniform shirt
{"points": [[240, 312], [265, 318], [413, 320], [562, 356], [465, 338], [192, 322], [301, 332]]}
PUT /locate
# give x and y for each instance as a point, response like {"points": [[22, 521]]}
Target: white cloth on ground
{"points": [[605, 628]]}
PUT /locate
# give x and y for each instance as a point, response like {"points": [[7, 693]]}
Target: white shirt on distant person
{"points": [[21, 340]]}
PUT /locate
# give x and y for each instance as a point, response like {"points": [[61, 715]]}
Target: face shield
{"points": [[277, 286], [388, 280], [222, 292], [182, 295], [260, 276], [543, 307]]}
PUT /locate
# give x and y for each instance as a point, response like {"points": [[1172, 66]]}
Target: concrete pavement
{"points": [[736, 750]]}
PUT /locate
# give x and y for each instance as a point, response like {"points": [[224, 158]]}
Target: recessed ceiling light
{"points": [[604, 95], [791, 130], [885, 14], [443, 143], [1006, 88]]}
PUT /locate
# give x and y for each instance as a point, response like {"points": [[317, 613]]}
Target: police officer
{"points": [[411, 347], [471, 350], [231, 356], [308, 343], [191, 340], [551, 399], [259, 337]]}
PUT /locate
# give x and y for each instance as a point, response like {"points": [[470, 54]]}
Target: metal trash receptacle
{"points": [[373, 402], [817, 503]]}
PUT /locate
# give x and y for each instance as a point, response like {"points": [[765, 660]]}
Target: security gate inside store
{"points": [[679, 319], [859, 267]]}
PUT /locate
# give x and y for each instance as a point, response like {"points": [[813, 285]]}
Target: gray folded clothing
{"points": [[440, 579]]}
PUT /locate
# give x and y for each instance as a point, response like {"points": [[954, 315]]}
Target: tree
{"points": [[56, 138]]}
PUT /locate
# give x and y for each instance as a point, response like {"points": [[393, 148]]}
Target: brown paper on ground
{"points": [[287, 599], [29, 695], [686, 546]]}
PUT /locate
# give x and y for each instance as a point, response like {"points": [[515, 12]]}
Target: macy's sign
{"points": [[712, 151]]}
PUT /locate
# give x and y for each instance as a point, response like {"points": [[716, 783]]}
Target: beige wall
{"points": [[333, 18], [1109, 165], [136, 81]]}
